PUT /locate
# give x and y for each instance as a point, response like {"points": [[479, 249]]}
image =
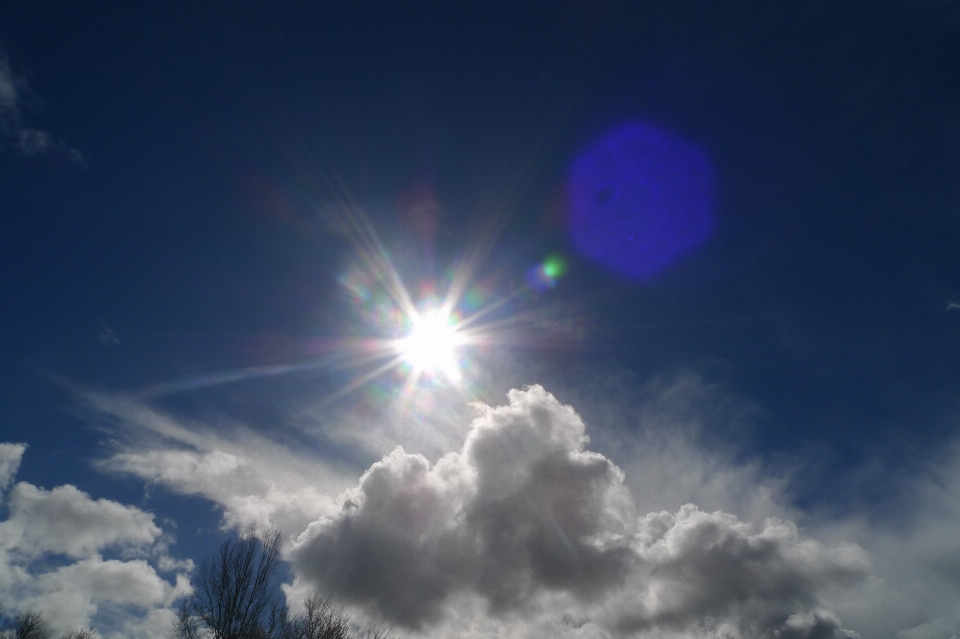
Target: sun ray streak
{"points": [[371, 251], [489, 308], [363, 379], [346, 354], [226, 377]]}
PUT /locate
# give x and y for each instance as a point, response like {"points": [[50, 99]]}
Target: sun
{"points": [[437, 340], [432, 344]]}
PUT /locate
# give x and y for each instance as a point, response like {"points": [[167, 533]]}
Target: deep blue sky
{"points": [[214, 139]]}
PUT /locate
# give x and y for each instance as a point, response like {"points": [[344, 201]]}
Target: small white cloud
{"points": [[107, 338], [10, 454], [156, 625], [34, 141], [67, 521], [120, 582], [166, 563], [10, 88]]}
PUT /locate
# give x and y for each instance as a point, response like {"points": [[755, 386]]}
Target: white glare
{"points": [[432, 344]]}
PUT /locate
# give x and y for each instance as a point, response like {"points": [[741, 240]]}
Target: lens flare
{"points": [[554, 267], [413, 345], [640, 199], [544, 276]]}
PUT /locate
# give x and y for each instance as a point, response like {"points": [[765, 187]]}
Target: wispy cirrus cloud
{"points": [[10, 456], [15, 99], [256, 481], [914, 591]]}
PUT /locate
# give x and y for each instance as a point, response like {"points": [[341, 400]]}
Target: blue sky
{"points": [[517, 319]]}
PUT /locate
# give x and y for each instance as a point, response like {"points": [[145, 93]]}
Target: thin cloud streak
{"points": [[15, 97], [255, 480]]}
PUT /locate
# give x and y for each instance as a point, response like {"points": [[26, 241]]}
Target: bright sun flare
{"points": [[432, 343]]}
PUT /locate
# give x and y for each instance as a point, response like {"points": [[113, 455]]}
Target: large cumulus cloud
{"points": [[528, 522], [713, 566]]}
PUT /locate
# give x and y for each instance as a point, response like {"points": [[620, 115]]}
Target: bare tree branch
{"points": [[235, 598], [233, 595], [30, 625], [319, 620]]}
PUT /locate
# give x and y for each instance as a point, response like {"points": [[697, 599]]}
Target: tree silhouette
{"points": [[320, 619], [233, 594], [235, 597], [31, 625], [27, 625]]}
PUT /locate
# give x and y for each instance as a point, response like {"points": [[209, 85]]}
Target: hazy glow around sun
{"points": [[432, 343]]}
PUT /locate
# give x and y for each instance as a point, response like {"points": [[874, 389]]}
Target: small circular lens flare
{"points": [[544, 276], [432, 344], [554, 267]]}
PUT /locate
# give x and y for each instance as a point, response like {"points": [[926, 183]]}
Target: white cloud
{"points": [[672, 442], [813, 625], [51, 546], [67, 521], [70, 595], [712, 565], [15, 95], [256, 481], [10, 88], [945, 627], [421, 536], [528, 522], [915, 590], [156, 625], [10, 454]]}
